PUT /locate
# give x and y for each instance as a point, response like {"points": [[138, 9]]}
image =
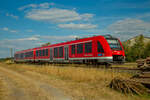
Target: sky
{"points": [[29, 23]]}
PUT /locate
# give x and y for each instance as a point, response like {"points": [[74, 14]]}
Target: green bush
{"points": [[139, 50]]}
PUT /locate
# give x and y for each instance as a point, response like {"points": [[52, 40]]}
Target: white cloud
{"points": [[143, 16], [30, 42], [5, 29], [86, 16], [33, 41], [9, 30], [29, 30], [129, 27], [45, 5], [11, 15], [42, 5], [77, 26], [21, 43], [27, 6], [29, 39], [56, 15], [60, 38], [13, 31]]}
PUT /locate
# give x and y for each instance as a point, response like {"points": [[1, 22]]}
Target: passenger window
{"points": [[31, 53], [43, 52], [46, 52], [37, 53], [79, 48], [40, 52], [55, 52], [60, 51], [72, 49], [88, 47], [99, 47]]}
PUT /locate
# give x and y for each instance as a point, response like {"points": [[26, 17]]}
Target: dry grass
{"points": [[3, 90], [79, 74], [127, 65], [80, 83]]}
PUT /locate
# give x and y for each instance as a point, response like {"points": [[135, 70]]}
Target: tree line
{"points": [[137, 50]]}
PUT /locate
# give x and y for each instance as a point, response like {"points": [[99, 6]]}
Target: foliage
{"points": [[5, 59], [46, 44], [139, 50]]}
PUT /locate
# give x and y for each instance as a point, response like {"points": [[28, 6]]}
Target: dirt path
{"points": [[23, 87]]}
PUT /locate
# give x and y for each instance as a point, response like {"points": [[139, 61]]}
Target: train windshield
{"points": [[114, 44]]}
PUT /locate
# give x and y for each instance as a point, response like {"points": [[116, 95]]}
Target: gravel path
{"points": [[23, 87]]}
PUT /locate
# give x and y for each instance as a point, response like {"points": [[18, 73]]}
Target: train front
{"points": [[117, 50]]}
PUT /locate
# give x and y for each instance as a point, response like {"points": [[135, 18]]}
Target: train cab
{"points": [[117, 49]]}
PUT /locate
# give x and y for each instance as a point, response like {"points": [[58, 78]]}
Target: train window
{"points": [[43, 53], [88, 47], [55, 52], [99, 47], [31, 53], [73, 49], [16, 56], [37, 53], [40, 52], [46, 52], [79, 48], [21, 55], [114, 44], [26, 54], [60, 51]]}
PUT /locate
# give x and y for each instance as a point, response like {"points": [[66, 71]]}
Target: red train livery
{"points": [[95, 50]]}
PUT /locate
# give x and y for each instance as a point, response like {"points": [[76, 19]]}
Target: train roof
{"points": [[72, 41], [24, 50]]}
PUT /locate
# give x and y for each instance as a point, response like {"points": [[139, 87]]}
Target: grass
{"points": [[77, 74], [127, 65], [3, 90], [80, 83]]}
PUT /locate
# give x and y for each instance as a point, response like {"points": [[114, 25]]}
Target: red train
{"points": [[94, 50]]}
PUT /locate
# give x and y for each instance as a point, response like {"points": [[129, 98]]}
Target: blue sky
{"points": [[29, 23]]}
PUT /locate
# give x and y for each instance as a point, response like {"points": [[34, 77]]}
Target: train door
{"points": [[66, 53], [51, 54]]}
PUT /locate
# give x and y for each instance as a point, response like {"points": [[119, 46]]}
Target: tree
{"points": [[135, 51], [46, 44], [147, 50], [138, 47]]}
